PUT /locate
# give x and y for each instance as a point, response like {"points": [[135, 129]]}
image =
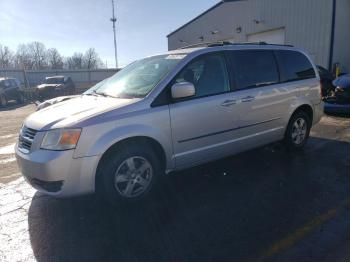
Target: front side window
{"points": [[6, 84], [138, 78], [254, 68], [13, 83], [208, 74], [294, 66]]}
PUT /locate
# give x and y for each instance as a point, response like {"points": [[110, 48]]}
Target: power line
{"points": [[114, 20]]}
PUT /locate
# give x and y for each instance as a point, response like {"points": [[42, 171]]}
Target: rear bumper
{"points": [[57, 173]]}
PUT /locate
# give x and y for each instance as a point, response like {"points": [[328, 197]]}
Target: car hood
{"points": [[343, 82], [53, 101], [71, 112], [42, 86]]}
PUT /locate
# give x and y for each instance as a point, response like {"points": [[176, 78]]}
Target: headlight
{"points": [[61, 139], [338, 88]]}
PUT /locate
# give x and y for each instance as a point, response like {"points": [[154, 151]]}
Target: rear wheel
{"points": [[3, 101], [129, 174], [298, 130]]}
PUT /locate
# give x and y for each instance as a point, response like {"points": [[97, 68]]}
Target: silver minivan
{"points": [[170, 112]]}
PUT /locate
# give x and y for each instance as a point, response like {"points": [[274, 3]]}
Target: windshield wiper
{"points": [[95, 93]]}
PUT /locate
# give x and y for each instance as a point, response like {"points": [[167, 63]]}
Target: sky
{"points": [[76, 25]]}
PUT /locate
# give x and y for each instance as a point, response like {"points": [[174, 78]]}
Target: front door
{"points": [[10, 90], [203, 125]]}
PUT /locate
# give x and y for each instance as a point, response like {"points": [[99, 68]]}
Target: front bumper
{"points": [[334, 108], [58, 173]]}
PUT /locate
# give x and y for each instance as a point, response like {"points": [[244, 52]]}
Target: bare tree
{"points": [[91, 59], [76, 61], [38, 55], [23, 57], [6, 57], [54, 59], [35, 56]]}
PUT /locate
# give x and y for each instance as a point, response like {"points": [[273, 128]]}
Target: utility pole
{"points": [[114, 20]]}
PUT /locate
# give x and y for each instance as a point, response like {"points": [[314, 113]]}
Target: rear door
{"points": [[203, 126], [264, 100]]}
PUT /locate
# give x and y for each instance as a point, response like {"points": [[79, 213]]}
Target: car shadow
{"points": [[231, 209]]}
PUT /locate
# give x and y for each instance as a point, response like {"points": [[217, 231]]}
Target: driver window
{"points": [[208, 74], [7, 84]]}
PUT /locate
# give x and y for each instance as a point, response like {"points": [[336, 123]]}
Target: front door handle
{"points": [[248, 99], [229, 102]]}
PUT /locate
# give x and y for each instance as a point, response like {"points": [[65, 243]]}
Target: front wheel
{"points": [[129, 174], [3, 101], [298, 130]]}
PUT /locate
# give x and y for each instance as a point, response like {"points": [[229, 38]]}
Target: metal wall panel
{"points": [[341, 51], [307, 24]]}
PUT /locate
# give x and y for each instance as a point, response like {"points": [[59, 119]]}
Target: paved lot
{"points": [[263, 205]]}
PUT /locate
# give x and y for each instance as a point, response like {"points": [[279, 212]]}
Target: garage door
{"points": [[272, 37]]}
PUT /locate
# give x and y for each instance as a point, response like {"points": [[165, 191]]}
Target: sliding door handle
{"points": [[248, 99], [229, 102]]}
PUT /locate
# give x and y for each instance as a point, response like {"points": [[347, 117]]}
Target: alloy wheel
{"points": [[299, 131], [133, 176]]}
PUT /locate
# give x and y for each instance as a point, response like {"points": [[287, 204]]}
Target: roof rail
{"points": [[205, 44], [225, 43]]}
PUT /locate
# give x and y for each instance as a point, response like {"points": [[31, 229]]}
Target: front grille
{"points": [[26, 138]]}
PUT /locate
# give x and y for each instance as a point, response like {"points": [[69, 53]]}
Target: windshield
{"points": [[54, 81], [138, 78]]}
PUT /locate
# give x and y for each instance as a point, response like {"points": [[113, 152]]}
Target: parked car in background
{"points": [[342, 90], [54, 86], [339, 102], [10, 89], [170, 112], [326, 81]]}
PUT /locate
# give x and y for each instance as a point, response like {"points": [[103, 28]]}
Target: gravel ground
{"points": [[262, 205], [11, 119]]}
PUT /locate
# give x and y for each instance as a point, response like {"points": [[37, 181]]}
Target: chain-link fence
{"points": [[83, 79], [31, 78]]}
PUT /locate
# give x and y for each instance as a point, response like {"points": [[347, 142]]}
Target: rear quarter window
{"points": [[294, 66], [254, 68]]}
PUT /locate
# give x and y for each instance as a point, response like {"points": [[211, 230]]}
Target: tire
{"points": [[298, 131], [123, 171], [3, 101]]}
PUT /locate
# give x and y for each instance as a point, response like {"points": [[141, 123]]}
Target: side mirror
{"points": [[182, 90]]}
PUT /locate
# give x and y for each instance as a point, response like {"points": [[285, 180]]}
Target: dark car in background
{"points": [[339, 102], [55, 86], [342, 89], [10, 89]]}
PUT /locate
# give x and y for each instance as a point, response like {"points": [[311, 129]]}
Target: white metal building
{"points": [[322, 27]]}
